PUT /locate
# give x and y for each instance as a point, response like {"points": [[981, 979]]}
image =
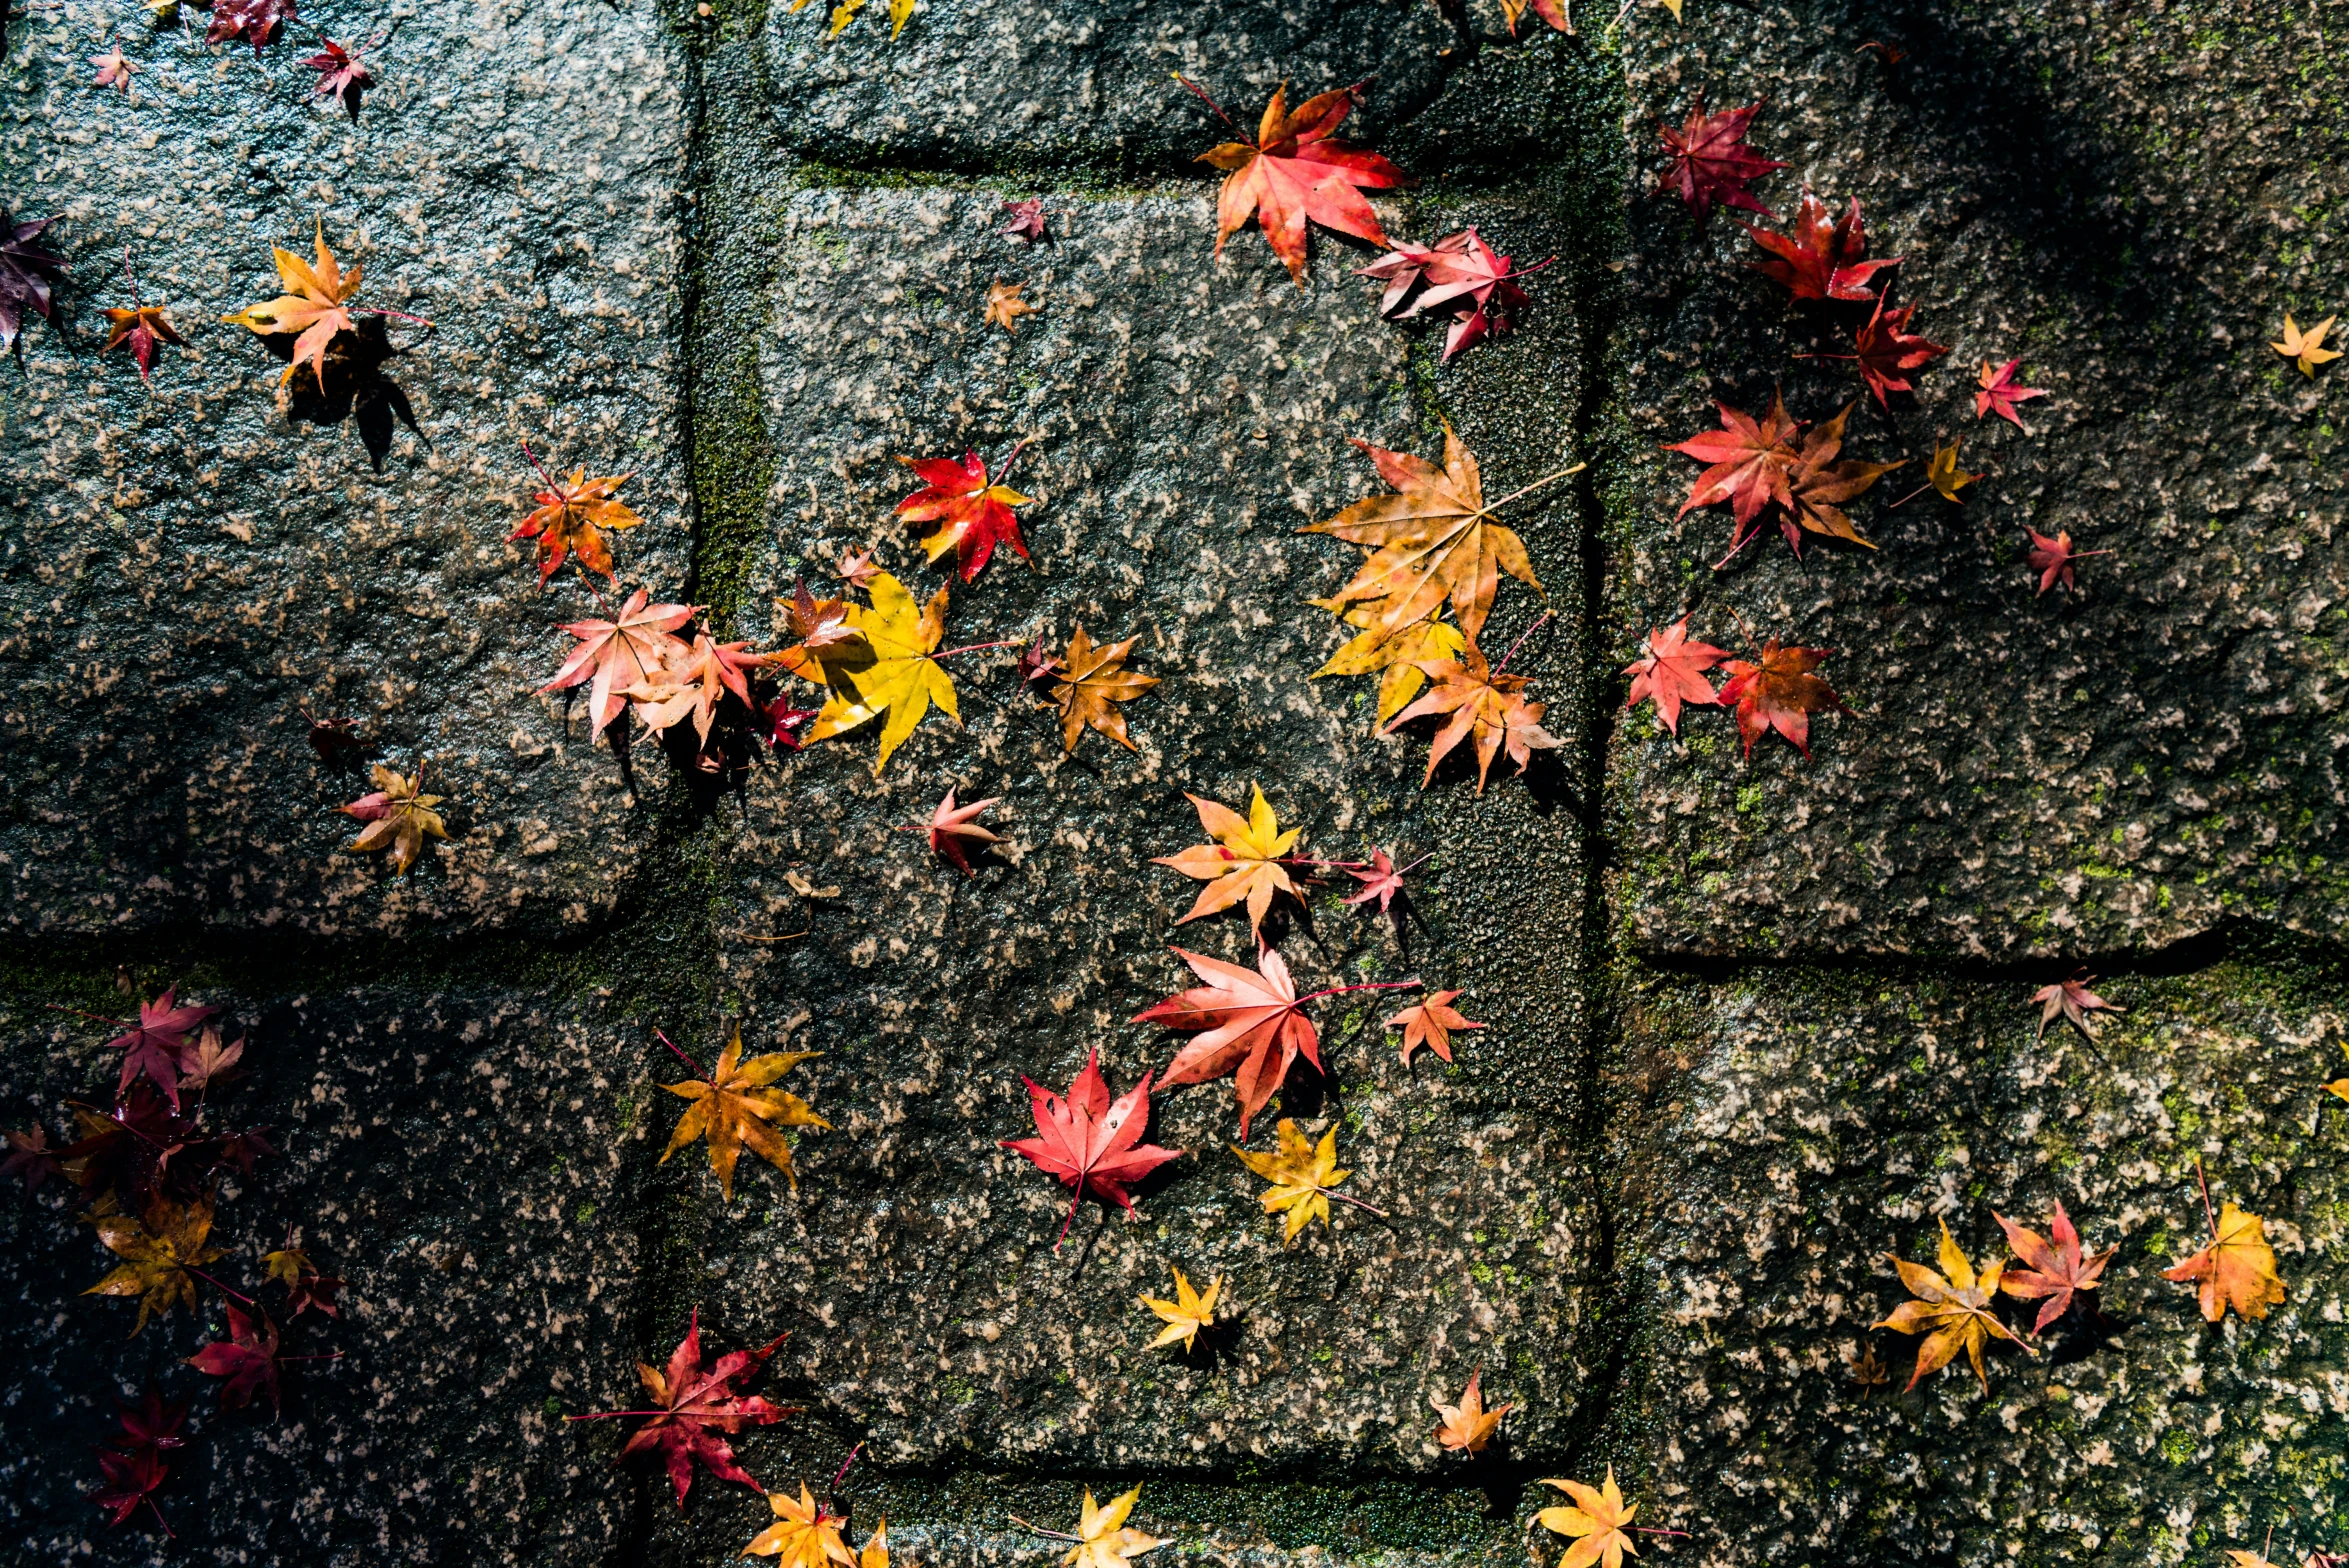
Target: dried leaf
{"points": [[1027, 220], [127, 1480], [1247, 1023], [27, 269], [1710, 161], [1867, 1368], [1468, 1426], [1430, 1023], [966, 512], [209, 1062], [1821, 257], [1184, 1316], [803, 1534], [1887, 351], [2237, 1269], [573, 515], [2074, 1001], [1477, 702], [1999, 394], [617, 654], [247, 1359], [1459, 273], [1599, 1523], [315, 301], [1089, 1143], [697, 1406], [1294, 172], [1673, 672], [255, 21], [1780, 693], [1103, 1538], [1004, 309], [1246, 863], [152, 1048], [1952, 1310], [896, 674], [30, 1159], [2054, 1273], [954, 829], [735, 1108], [2052, 559], [1381, 881], [2306, 349], [1944, 477], [141, 328], [399, 817], [1093, 681], [1302, 1174], [157, 1250], [1395, 657]]}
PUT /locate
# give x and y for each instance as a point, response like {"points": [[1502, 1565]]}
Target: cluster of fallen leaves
{"points": [[343, 71], [148, 1158]]}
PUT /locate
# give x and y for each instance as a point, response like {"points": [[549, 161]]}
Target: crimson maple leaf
{"points": [[247, 1359], [129, 1479], [1382, 880], [970, 515], [152, 1047], [695, 1407], [954, 831], [1999, 394], [1887, 351], [1749, 461], [30, 1159], [1027, 220], [1293, 172], [1820, 257], [256, 21], [1091, 1143], [2055, 1272], [1461, 273], [341, 72], [141, 327], [152, 1423], [1673, 672], [619, 653], [1780, 693], [1711, 161], [2052, 559], [1820, 484], [26, 271]]}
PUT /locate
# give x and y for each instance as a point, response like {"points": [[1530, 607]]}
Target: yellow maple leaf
{"points": [[2340, 1086], [734, 1106], [312, 305], [2307, 349], [1394, 656], [1952, 1309], [1597, 1521], [1186, 1315], [892, 673], [803, 1534], [1302, 1176], [1244, 862], [2237, 1269], [900, 12], [1468, 1425], [1103, 1538], [157, 1251]]}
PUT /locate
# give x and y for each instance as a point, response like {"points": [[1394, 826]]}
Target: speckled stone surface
{"points": [[2118, 196], [187, 570]]}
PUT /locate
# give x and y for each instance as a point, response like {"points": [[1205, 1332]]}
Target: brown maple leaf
{"points": [[399, 817], [967, 512], [2055, 1272], [1710, 161], [2052, 559], [1093, 680], [617, 654], [208, 1061], [1248, 862], [255, 21], [2073, 1001], [1468, 1426], [1780, 693], [736, 1108], [954, 830], [1821, 257], [1433, 539], [30, 1159], [1478, 702], [1867, 1368], [1999, 394], [1293, 172], [1005, 307], [159, 1252], [572, 517], [2237, 1269], [1091, 1143], [1673, 672], [694, 1407], [1952, 1310], [1429, 1023]]}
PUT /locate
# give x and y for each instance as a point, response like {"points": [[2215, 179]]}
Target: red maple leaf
{"points": [[695, 1407], [1820, 257], [30, 1159], [1820, 484], [1292, 172], [1027, 220], [152, 1047], [1999, 394], [141, 327], [1711, 162], [1887, 351], [1780, 693], [954, 831], [1749, 459], [969, 515], [256, 21], [341, 70], [1459, 272], [152, 1424], [27, 269], [2072, 1000], [2055, 1272], [247, 1358], [1673, 672], [619, 653], [1092, 1144], [1382, 880], [2052, 559], [129, 1479]]}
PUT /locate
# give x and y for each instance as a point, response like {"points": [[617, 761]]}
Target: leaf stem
{"points": [[544, 477], [841, 1474], [977, 647], [601, 602], [168, 1532], [223, 1289], [1343, 865], [1368, 985], [101, 1018], [1200, 93], [681, 1056], [614, 1415], [1357, 1202], [2206, 1211], [1075, 1198], [1911, 496], [374, 310], [1004, 473], [1645, 1529], [1529, 489], [1057, 1535], [1547, 616]]}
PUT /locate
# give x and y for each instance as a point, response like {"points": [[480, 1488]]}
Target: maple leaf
{"points": [[900, 12], [693, 681], [2074, 1001], [2306, 349], [572, 516], [1819, 485], [256, 21], [1089, 1142], [1999, 394], [950, 825], [820, 624], [1867, 1369], [857, 568], [1550, 11], [1093, 680], [1598, 1521], [1710, 161], [2052, 559], [26, 272], [247, 1359], [2055, 1271], [1780, 693], [115, 68], [1433, 538], [969, 515], [695, 1407], [1486, 703], [776, 721], [736, 1109], [1672, 672], [1248, 1023], [1304, 1176], [151, 1048], [306, 1285], [1246, 862], [1952, 1310], [1037, 663], [1430, 1023], [152, 1424], [335, 740], [1394, 656], [1004, 309], [1027, 220], [1459, 272], [1750, 462], [2237, 1269], [129, 1479], [30, 1159], [1103, 1539], [399, 817], [1293, 173], [803, 1534], [208, 1061], [618, 653], [1184, 1316], [342, 72], [1887, 351], [1381, 880], [899, 677], [1942, 476], [315, 302], [2338, 1088], [1468, 1425], [1821, 258], [141, 328], [157, 1253]]}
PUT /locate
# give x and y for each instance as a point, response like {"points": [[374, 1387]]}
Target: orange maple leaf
{"points": [[1482, 702], [2237, 1269], [571, 517], [1248, 860], [1293, 172]]}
